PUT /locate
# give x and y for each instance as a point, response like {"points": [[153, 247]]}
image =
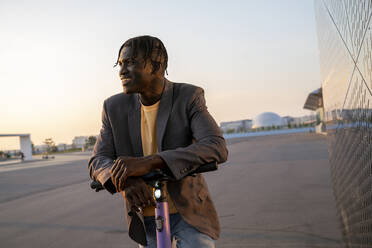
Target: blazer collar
{"points": [[165, 108], [134, 119], [134, 126]]}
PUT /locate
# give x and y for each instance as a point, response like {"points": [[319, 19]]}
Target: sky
{"points": [[57, 57]]}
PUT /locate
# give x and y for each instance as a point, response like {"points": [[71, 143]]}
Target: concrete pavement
{"points": [[275, 191], [55, 159]]}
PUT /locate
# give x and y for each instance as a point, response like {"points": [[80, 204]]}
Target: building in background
{"points": [[345, 50], [64, 147], [79, 141], [24, 143], [38, 149], [236, 126], [314, 102], [268, 123], [267, 119], [293, 122]]}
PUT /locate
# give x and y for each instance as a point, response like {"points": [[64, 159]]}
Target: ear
{"points": [[157, 68]]}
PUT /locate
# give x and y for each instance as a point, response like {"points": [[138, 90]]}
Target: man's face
{"points": [[134, 75]]}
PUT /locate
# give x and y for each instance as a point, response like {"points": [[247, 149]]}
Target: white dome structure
{"points": [[267, 119]]}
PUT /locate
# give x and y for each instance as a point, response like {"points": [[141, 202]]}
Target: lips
{"points": [[125, 81]]}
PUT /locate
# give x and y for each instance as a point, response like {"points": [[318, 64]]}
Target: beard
{"points": [[125, 90], [128, 88]]}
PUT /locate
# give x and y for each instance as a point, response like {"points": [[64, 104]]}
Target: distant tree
{"points": [[32, 147], [289, 125], [91, 140], [240, 130], [230, 131], [51, 145]]}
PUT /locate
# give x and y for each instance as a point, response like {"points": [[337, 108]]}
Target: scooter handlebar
{"points": [[206, 168], [160, 175], [97, 186]]}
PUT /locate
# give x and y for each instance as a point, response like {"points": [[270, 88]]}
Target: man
{"points": [[158, 124]]}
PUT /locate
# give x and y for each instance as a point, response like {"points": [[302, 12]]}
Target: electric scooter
{"points": [[157, 180]]}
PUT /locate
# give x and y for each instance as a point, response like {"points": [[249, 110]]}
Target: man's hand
{"points": [[126, 167], [138, 194]]}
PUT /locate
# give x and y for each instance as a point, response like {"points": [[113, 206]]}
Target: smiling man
{"points": [[158, 124]]}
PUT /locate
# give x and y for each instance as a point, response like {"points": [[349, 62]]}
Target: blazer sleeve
{"points": [[103, 155], [209, 143]]}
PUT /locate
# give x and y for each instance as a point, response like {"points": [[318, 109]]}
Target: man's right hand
{"points": [[138, 193]]}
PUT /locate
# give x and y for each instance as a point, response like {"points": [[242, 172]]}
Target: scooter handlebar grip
{"points": [[97, 186], [206, 168]]}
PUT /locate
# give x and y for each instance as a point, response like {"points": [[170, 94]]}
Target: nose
{"points": [[123, 70]]}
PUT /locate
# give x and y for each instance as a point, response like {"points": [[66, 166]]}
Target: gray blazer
{"points": [[187, 137]]}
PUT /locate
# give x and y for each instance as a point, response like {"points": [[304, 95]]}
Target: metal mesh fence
{"points": [[345, 45]]}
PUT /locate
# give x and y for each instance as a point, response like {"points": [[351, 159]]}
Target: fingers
{"points": [[116, 172], [124, 176], [117, 177], [132, 205], [138, 194], [120, 172], [135, 201], [121, 180], [148, 197], [116, 166], [136, 209], [140, 199]]}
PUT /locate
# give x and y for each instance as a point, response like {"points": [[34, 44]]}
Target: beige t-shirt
{"points": [[149, 146]]}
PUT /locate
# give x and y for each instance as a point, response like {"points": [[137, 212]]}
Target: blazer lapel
{"points": [[165, 108], [134, 125]]}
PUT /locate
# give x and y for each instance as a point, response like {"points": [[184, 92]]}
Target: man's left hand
{"points": [[125, 167]]}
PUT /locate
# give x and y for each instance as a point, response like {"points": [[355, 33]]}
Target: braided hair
{"points": [[152, 48]]}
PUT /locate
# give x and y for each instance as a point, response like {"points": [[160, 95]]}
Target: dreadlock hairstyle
{"points": [[152, 48]]}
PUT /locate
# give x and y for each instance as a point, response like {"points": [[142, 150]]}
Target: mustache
{"points": [[122, 77]]}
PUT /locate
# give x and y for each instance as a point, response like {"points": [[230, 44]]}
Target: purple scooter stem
{"points": [[162, 225], [163, 234]]}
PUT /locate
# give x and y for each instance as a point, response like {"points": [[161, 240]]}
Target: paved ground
{"points": [[274, 192]]}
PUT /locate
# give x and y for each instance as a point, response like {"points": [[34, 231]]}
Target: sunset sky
{"points": [[57, 57]]}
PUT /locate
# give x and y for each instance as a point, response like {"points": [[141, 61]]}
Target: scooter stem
{"points": [[163, 234]]}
